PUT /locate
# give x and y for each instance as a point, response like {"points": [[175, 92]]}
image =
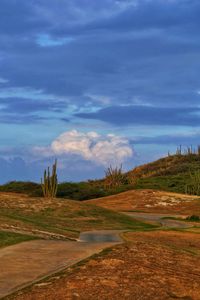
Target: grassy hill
{"points": [[170, 165], [55, 218], [170, 173]]}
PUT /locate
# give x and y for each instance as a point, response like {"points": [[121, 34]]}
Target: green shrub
{"points": [[193, 218], [30, 188], [192, 187]]}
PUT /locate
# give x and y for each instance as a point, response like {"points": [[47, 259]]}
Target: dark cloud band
{"points": [[146, 115]]}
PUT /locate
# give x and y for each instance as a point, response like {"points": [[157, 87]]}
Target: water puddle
{"points": [[99, 237]]}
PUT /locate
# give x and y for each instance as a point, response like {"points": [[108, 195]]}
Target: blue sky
{"points": [[95, 83]]}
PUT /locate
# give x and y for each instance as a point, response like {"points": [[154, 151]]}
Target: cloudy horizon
{"points": [[95, 83]]}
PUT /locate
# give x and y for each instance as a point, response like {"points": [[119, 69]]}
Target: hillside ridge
{"points": [[171, 173]]}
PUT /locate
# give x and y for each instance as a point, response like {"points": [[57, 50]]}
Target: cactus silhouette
{"points": [[50, 182]]}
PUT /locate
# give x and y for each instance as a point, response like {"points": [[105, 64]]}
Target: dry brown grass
{"points": [[150, 201], [153, 265], [61, 218]]}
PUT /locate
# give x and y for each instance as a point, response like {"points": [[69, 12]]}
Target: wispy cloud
{"points": [[25, 93], [45, 40], [3, 80], [23, 105]]}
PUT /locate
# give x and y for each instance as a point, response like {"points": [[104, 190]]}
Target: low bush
{"points": [[193, 218]]}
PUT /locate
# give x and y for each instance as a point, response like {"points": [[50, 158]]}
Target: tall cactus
{"points": [[50, 182]]}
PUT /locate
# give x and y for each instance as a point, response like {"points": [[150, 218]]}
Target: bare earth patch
{"points": [[150, 265], [151, 201], [32, 204]]}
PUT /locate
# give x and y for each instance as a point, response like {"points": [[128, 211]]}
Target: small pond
{"points": [[100, 237]]}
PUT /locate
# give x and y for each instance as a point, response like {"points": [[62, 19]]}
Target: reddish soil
{"points": [[151, 201], [149, 266]]}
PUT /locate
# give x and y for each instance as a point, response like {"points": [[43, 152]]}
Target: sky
{"points": [[96, 83]]}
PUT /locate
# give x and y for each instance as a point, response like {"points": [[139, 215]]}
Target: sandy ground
{"points": [[27, 262], [151, 265], [157, 265], [162, 219]]}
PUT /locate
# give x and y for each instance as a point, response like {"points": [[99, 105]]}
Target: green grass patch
{"points": [[192, 218], [69, 220], [173, 183], [11, 238]]}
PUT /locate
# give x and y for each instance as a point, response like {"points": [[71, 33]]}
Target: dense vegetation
{"points": [[176, 173], [69, 190], [193, 218]]}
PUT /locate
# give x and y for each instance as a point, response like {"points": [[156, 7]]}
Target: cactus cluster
{"points": [[114, 177], [50, 182], [189, 151]]}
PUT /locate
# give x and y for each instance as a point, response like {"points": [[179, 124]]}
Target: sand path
{"points": [[158, 218], [28, 262]]}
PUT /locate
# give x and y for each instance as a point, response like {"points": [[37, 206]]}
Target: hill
{"points": [[170, 165], [171, 173], [55, 218], [150, 201]]}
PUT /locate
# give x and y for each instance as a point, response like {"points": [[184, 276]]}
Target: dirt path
{"points": [[158, 218], [28, 262], [153, 265]]}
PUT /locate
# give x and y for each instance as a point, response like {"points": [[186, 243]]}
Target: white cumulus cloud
{"points": [[91, 146]]}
